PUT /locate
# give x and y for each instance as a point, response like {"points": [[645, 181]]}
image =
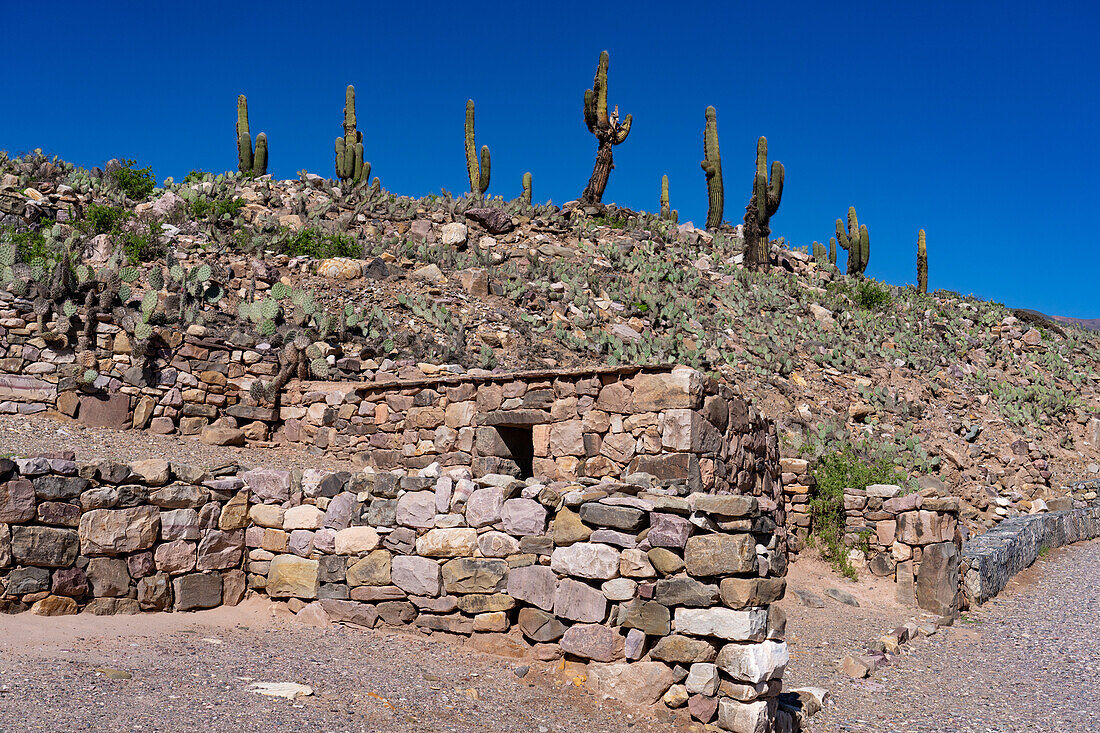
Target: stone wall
{"points": [[990, 559], [654, 591]]}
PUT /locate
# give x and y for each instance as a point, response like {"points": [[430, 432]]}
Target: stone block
{"points": [[290, 576], [118, 531], [723, 623], [197, 590], [720, 554]]}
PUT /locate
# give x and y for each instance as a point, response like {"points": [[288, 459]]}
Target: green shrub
{"points": [[228, 206], [141, 246], [871, 296], [615, 222], [136, 183], [105, 219], [319, 245], [30, 245], [195, 176], [835, 472]]}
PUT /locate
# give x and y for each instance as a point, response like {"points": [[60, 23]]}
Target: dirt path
{"points": [[193, 672], [1026, 661]]}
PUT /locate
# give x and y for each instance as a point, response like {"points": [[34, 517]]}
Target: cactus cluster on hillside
{"points": [[479, 174], [766, 196], [855, 242], [251, 162], [350, 166]]}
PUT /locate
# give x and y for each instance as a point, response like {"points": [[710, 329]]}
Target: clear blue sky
{"points": [[975, 121]]}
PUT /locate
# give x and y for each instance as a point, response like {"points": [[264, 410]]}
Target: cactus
{"points": [[319, 368], [479, 175], [922, 263], [249, 162], [855, 242], [350, 166], [526, 188], [666, 211], [820, 254], [832, 250], [606, 127], [712, 166], [142, 330], [766, 196], [279, 290]]}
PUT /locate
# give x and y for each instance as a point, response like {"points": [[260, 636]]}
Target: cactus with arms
{"points": [[250, 162], [350, 166], [766, 196], [607, 128], [526, 188], [712, 166], [479, 175], [855, 242], [922, 263]]}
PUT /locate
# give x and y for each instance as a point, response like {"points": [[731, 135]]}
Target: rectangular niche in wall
{"points": [[521, 445]]}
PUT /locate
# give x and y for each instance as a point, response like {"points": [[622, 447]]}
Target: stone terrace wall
{"points": [[662, 593], [990, 559]]}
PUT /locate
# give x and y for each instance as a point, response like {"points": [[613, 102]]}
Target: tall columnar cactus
{"points": [[832, 250], [855, 242], [350, 166], [250, 162], [666, 208], [607, 128], [766, 196], [922, 263], [820, 254], [712, 166], [479, 176], [527, 188]]}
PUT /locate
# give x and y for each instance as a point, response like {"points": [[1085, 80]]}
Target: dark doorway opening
{"points": [[521, 445]]}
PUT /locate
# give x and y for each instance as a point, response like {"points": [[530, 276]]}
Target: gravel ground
{"points": [[1026, 661], [193, 672], [29, 434]]}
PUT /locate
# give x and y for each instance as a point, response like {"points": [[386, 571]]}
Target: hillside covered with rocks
{"points": [[346, 281]]}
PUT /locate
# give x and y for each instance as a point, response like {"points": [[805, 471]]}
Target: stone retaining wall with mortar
{"points": [[662, 593], [990, 559]]}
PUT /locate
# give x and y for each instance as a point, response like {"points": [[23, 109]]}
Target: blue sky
{"points": [[975, 121]]}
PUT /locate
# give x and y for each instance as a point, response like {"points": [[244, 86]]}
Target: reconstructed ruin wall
{"points": [[664, 592]]}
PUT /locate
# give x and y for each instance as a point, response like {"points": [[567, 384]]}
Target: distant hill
{"points": [[1089, 324]]}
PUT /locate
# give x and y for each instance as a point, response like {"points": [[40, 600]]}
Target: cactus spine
{"points": [[855, 242], [606, 127], [712, 166], [766, 196], [922, 263], [479, 176], [527, 188], [249, 162], [350, 166]]}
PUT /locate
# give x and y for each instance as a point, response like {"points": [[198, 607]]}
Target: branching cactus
{"points": [[820, 255], [922, 263], [350, 166], [479, 175], [712, 166], [766, 196], [855, 242], [527, 188], [250, 162], [607, 128]]}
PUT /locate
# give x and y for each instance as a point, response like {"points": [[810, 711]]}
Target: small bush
{"points": [[105, 219], [228, 206], [319, 245], [30, 245], [615, 222], [136, 183], [195, 177], [871, 296], [834, 473], [141, 246]]}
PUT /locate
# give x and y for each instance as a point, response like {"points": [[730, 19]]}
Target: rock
{"points": [[702, 679], [587, 560], [417, 509], [109, 576], [703, 707], [350, 612], [268, 484], [522, 517], [745, 592], [685, 592], [453, 235], [675, 697], [474, 281], [221, 435], [854, 667], [497, 544], [634, 563], [374, 569], [720, 554], [649, 617], [534, 584], [118, 531], [679, 649], [937, 582], [313, 614], [747, 717], [340, 268], [474, 575], [539, 626], [356, 540], [153, 472], [220, 550], [198, 590], [418, 576], [179, 524], [665, 561], [484, 506], [429, 274], [635, 683], [753, 663], [593, 641], [842, 596], [175, 557], [24, 581], [625, 518], [668, 530], [724, 623], [726, 505], [288, 690], [305, 516], [579, 601], [111, 411], [292, 576], [16, 501], [54, 606], [154, 593], [808, 599], [568, 528], [44, 546], [72, 582], [494, 221]]}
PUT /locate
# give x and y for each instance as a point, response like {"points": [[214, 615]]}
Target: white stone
{"points": [[453, 234], [586, 560], [746, 717], [619, 589], [753, 663], [306, 516], [356, 540], [456, 542], [724, 623], [702, 679]]}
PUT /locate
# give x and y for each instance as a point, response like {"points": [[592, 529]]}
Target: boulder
{"points": [[44, 546], [534, 584], [357, 540], [522, 517], [474, 575], [16, 501], [292, 576], [418, 576], [635, 683], [937, 582], [453, 542], [118, 531], [587, 560], [753, 663], [197, 590], [723, 623], [720, 554], [579, 601], [593, 641]]}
